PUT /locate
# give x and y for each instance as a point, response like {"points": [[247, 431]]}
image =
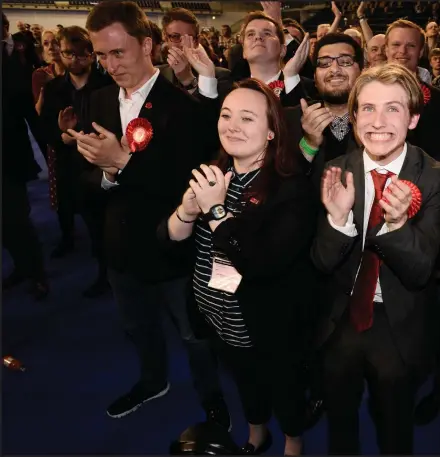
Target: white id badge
{"points": [[224, 276]]}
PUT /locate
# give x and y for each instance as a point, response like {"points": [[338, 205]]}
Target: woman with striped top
{"points": [[250, 220]]}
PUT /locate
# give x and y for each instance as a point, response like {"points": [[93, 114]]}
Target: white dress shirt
{"points": [[350, 228], [289, 83]]}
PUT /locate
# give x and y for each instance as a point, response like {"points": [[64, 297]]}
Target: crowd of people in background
{"points": [[292, 102]]}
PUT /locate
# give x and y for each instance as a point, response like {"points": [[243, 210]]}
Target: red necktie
{"points": [[361, 302]]}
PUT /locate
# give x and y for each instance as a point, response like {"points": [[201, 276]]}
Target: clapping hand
{"points": [[337, 198], [210, 190], [395, 202], [314, 120], [104, 150], [294, 65], [67, 119]]}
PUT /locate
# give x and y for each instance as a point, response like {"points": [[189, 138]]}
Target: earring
{"points": [[270, 136]]}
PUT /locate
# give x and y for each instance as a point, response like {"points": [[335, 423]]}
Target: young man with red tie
{"points": [[378, 245]]}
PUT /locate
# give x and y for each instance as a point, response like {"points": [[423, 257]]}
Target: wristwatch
{"points": [[191, 85], [216, 213]]}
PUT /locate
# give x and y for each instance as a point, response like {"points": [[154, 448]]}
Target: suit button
{"points": [[123, 221]]}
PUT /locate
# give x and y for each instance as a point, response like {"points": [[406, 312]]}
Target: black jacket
{"points": [[408, 258], [269, 245], [154, 180]]}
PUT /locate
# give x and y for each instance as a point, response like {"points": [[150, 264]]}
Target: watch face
{"points": [[218, 212]]}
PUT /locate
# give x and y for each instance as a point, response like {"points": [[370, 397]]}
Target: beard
{"points": [[336, 97]]}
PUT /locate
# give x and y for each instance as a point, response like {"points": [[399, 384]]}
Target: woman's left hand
{"points": [[210, 190]]}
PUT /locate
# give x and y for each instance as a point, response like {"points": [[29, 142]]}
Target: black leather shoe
{"points": [[314, 412], [218, 413], [249, 449], [427, 410]]}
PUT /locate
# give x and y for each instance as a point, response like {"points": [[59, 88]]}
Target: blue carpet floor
{"points": [[79, 361]]}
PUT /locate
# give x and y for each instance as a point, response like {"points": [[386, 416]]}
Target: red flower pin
{"points": [[416, 200], [426, 93], [277, 87], [139, 133], [148, 105]]}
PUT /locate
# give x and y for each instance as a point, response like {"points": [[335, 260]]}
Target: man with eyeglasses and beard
{"points": [[323, 125], [66, 105], [322, 131]]}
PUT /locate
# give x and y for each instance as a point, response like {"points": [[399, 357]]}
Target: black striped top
{"points": [[221, 309]]}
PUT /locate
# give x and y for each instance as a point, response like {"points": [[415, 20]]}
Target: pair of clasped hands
{"points": [[339, 199], [102, 149], [205, 190]]}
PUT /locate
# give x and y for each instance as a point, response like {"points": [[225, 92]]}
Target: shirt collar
{"points": [[143, 91], [394, 167], [274, 78]]}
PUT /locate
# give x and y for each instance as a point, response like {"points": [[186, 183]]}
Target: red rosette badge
{"points": [[277, 87], [416, 201], [426, 93], [139, 133]]}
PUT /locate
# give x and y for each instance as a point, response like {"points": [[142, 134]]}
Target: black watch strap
{"points": [[216, 213]]}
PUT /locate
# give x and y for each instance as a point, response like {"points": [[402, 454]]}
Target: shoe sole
{"points": [[132, 410]]}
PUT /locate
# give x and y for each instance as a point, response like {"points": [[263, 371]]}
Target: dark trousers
{"points": [[141, 306], [350, 358], [19, 235], [67, 199], [266, 384]]}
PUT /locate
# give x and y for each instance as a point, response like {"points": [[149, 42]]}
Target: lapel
{"points": [[152, 108], [411, 168], [111, 114], [356, 166]]}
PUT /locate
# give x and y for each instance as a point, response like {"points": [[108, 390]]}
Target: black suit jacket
{"points": [[18, 108], [154, 180], [268, 244], [425, 135], [408, 258]]}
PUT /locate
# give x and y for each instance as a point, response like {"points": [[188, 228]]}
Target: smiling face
{"points": [[261, 42], [122, 55], [243, 125], [376, 50], [404, 46], [383, 120], [335, 82], [51, 48]]}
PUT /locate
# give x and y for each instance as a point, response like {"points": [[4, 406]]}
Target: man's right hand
{"points": [[67, 119], [181, 67], [337, 198], [314, 120]]}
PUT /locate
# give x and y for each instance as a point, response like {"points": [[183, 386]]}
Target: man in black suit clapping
{"points": [[144, 187], [378, 249]]}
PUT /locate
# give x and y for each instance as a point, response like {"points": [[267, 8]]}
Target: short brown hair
{"points": [[405, 24], [255, 15], [434, 53], [183, 15], [75, 35], [129, 14], [388, 74]]}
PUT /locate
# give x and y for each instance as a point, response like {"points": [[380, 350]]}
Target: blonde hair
{"points": [[387, 74], [405, 24], [43, 33]]}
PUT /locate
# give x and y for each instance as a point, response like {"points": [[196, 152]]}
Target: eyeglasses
{"points": [[344, 60], [176, 37], [70, 55]]}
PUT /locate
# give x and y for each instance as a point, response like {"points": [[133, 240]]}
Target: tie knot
{"points": [[380, 179]]}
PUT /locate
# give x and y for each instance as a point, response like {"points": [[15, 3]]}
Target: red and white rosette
{"points": [[416, 198], [277, 87], [416, 201], [139, 133]]}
